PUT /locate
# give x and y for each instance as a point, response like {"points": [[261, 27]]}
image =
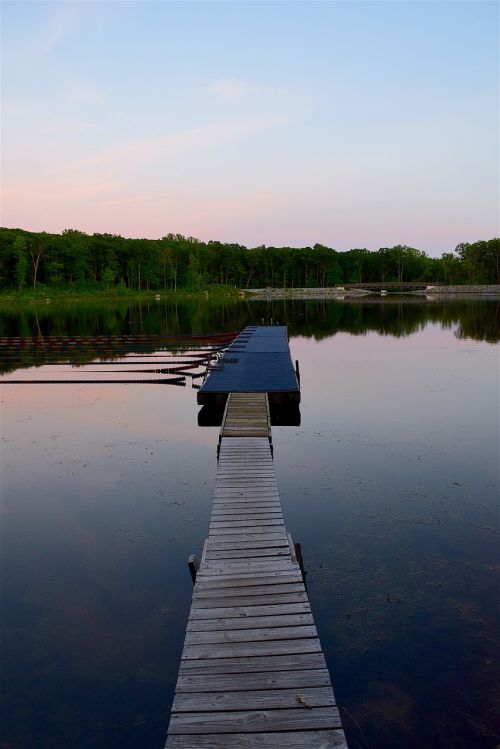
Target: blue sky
{"points": [[352, 124]]}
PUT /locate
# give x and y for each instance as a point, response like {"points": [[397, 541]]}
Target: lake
{"points": [[390, 484]]}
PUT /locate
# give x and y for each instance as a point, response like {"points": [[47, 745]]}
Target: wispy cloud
{"points": [[61, 23], [182, 142]]}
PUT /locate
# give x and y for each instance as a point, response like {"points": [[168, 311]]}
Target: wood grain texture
{"points": [[249, 622], [255, 720], [325, 739], [241, 598], [261, 680], [252, 634], [249, 649], [256, 664], [304, 698], [243, 612]]}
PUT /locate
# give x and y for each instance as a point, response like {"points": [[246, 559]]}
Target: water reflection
{"points": [[477, 319], [389, 481]]}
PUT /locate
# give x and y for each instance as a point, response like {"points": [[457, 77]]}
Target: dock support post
{"points": [[193, 567], [297, 370], [298, 555]]}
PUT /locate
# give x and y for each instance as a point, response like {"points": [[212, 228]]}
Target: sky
{"points": [[351, 124]]}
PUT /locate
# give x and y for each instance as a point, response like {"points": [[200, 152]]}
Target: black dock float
{"points": [[258, 360]]}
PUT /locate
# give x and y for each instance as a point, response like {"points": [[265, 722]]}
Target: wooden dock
{"points": [[252, 671], [257, 360]]}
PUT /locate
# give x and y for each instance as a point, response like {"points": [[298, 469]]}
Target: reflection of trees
{"points": [[477, 319]]}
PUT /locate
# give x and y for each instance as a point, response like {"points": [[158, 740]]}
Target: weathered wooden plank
{"points": [[249, 622], [246, 482], [277, 551], [230, 464], [245, 496], [248, 451], [215, 585], [246, 537], [249, 577], [259, 469], [248, 496], [252, 530], [255, 634], [247, 487], [220, 525], [262, 680], [237, 430], [246, 514], [242, 502], [271, 487], [248, 586], [322, 739], [236, 454], [250, 649], [244, 665], [214, 545], [228, 569], [252, 505], [232, 511], [252, 720], [240, 613], [251, 565], [259, 445], [259, 699], [245, 500], [256, 477], [228, 598]]}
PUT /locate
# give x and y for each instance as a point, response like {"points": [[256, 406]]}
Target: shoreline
{"points": [[232, 294], [432, 292], [57, 296]]}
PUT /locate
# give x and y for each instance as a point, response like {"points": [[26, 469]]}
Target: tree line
{"points": [[78, 260]]}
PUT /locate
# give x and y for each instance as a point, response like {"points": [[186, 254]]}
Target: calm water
{"points": [[390, 484]]}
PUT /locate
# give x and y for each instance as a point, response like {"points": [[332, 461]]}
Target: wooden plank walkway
{"points": [[246, 415], [252, 671]]}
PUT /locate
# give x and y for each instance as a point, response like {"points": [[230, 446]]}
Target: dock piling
{"points": [[193, 567]]}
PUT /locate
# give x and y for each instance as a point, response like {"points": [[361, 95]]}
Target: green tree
{"points": [[22, 263], [108, 277]]}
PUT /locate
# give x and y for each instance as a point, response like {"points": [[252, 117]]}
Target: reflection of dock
{"points": [[252, 672], [258, 360]]}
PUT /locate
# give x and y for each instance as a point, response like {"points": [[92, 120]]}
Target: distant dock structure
{"points": [[252, 673], [258, 360]]}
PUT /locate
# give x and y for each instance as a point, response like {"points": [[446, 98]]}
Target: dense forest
{"points": [[77, 260]]}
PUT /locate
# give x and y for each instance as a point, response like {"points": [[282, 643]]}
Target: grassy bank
{"points": [[47, 295]]}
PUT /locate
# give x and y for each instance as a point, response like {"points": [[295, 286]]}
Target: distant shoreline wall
{"points": [[477, 289], [339, 292]]}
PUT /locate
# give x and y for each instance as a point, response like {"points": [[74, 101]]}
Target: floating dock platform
{"points": [[252, 673], [258, 360]]}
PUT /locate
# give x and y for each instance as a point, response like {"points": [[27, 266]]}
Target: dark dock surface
{"points": [[252, 673], [258, 360]]}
